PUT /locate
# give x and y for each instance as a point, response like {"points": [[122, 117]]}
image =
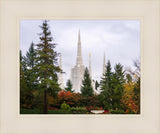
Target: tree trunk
{"points": [[45, 110]]}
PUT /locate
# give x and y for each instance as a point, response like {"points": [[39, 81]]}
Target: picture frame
{"points": [[12, 11]]}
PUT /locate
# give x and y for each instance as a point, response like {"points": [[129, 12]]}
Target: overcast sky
{"points": [[118, 39]]}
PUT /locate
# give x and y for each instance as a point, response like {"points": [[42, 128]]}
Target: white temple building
{"points": [[77, 72], [104, 64], [60, 75], [90, 73]]}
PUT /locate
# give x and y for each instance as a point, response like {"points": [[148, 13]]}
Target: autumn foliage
{"points": [[73, 100], [127, 100]]}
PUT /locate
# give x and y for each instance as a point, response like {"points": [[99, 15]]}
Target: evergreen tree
{"points": [[107, 87], [21, 58], [128, 78], [86, 88], [30, 56], [46, 64], [69, 86], [23, 64], [31, 72], [26, 96], [107, 78], [118, 81], [96, 85]]}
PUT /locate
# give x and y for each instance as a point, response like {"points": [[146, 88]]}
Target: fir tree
{"points": [[69, 86], [128, 78], [107, 78], [96, 85], [119, 75], [26, 96], [46, 64], [117, 83], [21, 58], [86, 88], [30, 63], [106, 87], [23, 64], [30, 56]]}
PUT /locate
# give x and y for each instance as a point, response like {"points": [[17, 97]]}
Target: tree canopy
{"points": [[86, 88]]}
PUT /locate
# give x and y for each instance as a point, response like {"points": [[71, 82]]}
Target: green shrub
{"points": [[37, 111], [118, 111], [78, 110], [65, 107], [30, 111], [59, 111]]}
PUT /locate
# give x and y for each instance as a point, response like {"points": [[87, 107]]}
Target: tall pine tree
{"points": [[86, 88], [106, 87], [30, 56], [30, 63], [107, 78], [117, 83], [46, 64], [26, 96], [96, 85]]}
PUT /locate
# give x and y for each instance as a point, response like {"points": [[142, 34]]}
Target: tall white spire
{"points": [[104, 63], [79, 36], [60, 77], [79, 51], [90, 70], [90, 74], [77, 72], [60, 62]]}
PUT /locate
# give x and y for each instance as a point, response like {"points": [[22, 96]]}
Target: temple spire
{"points": [[79, 36], [79, 52], [104, 63], [60, 62], [60, 77]]}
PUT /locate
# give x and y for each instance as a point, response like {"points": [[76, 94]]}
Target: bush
{"points": [[59, 111], [72, 99], [65, 107], [76, 99], [97, 108], [78, 110], [52, 108], [30, 111], [128, 111], [106, 112], [89, 108], [117, 111], [37, 111]]}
